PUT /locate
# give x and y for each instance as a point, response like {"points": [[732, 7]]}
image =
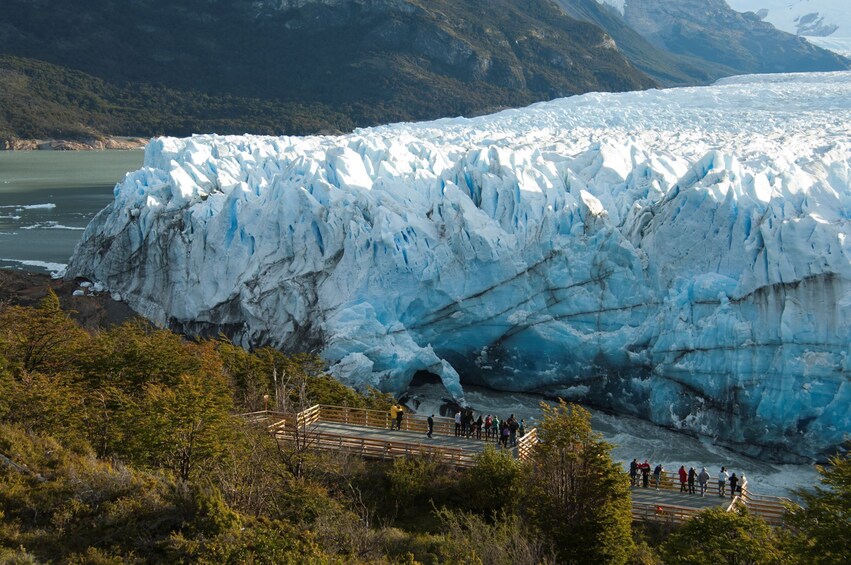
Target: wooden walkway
{"points": [[367, 434]]}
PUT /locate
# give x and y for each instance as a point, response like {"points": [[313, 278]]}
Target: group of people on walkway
{"points": [[504, 432], [687, 478]]}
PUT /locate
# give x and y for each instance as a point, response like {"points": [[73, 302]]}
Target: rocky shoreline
{"points": [[93, 310], [90, 144]]}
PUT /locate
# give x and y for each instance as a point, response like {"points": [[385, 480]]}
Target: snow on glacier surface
{"points": [[680, 255]]}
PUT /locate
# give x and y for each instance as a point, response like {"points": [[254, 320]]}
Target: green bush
{"points": [[718, 536], [495, 483]]}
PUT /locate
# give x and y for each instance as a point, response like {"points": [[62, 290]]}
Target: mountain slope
{"points": [[41, 101], [712, 31], [369, 60], [667, 68], [826, 23]]}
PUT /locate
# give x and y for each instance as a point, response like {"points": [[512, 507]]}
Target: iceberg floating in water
{"points": [[680, 255]]}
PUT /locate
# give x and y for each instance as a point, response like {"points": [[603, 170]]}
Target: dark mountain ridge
{"points": [[313, 64]]}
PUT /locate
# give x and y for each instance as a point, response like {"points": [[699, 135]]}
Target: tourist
{"points": [[430, 421], [488, 423], [400, 412], [467, 424], [733, 482], [458, 423], [645, 473], [393, 412], [657, 475], [683, 478], [633, 472], [521, 431], [497, 428], [703, 479], [692, 475], [513, 426], [722, 481], [479, 423], [504, 433]]}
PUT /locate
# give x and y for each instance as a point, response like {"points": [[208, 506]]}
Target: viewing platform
{"points": [[367, 434]]}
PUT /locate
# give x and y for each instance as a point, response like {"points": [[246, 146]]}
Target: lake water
{"points": [[48, 197]]}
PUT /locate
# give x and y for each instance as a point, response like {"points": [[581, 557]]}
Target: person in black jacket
{"points": [[692, 475], [734, 480]]}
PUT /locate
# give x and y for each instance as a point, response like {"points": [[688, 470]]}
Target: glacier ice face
{"points": [[680, 255]]}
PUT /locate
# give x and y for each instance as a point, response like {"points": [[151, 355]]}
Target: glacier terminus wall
{"points": [[681, 255]]}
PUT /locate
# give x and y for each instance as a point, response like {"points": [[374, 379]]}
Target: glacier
{"points": [[678, 255]]}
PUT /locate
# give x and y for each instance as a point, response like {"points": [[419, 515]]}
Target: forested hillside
{"points": [[233, 66]]}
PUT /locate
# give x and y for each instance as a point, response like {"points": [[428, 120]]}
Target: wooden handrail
{"points": [[288, 426], [526, 443], [381, 448], [381, 419]]}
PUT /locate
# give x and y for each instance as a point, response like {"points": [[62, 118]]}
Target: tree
{"points": [[135, 353], [180, 427], [7, 386], [578, 497], [716, 536], [48, 405], [823, 522], [39, 339], [495, 483]]}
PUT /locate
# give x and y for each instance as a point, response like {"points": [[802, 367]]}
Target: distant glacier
{"points": [[680, 255]]}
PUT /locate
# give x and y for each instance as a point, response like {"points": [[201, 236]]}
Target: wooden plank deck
{"points": [[414, 438], [367, 433]]}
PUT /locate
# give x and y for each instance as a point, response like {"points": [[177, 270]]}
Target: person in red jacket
{"points": [[683, 479], [645, 473]]}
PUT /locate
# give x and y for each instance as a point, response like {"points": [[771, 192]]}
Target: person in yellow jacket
{"points": [[400, 412], [394, 411]]}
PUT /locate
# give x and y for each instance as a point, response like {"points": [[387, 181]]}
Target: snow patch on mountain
{"points": [[818, 18], [841, 45], [616, 4], [680, 255]]}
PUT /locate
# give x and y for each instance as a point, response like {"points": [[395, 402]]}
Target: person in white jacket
{"points": [[722, 481], [703, 479]]}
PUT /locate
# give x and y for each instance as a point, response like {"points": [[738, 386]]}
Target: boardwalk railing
{"points": [[526, 443], [443, 426], [772, 509], [302, 426], [669, 480], [371, 448], [662, 512]]}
